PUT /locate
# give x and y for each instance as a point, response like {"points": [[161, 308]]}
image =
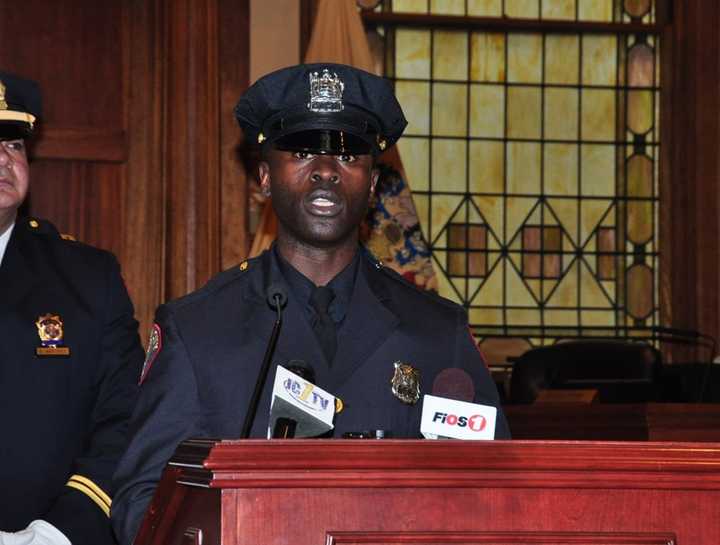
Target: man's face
{"points": [[320, 200], [14, 174]]}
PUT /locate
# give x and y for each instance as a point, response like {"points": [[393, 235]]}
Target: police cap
{"points": [[20, 106], [321, 108]]}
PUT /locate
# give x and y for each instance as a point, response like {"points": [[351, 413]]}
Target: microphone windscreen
{"points": [[454, 383], [276, 296], [302, 369]]}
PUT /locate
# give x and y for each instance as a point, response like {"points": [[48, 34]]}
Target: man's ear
{"points": [[374, 177], [264, 177]]}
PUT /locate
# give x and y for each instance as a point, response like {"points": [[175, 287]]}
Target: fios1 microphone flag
{"points": [[309, 406], [444, 418]]}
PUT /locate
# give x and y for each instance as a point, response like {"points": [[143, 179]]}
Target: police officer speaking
{"points": [[70, 356], [371, 339]]}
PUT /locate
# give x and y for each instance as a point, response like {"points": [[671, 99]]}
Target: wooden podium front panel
{"points": [[442, 492]]}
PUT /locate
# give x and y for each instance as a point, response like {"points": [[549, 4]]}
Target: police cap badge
{"points": [[406, 383], [321, 108]]}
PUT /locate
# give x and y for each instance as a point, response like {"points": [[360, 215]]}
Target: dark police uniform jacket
{"points": [[63, 419], [212, 345]]}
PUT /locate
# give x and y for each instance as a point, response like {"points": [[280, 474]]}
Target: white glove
{"points": [[38, 532]]}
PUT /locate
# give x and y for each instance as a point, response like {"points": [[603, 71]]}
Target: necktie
{"points": [[324, 326]]}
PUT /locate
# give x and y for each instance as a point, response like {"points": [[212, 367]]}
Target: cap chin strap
{"points": [[12, 115]]}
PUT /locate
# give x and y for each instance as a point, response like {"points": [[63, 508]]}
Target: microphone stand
{"points": [[276, 300]]}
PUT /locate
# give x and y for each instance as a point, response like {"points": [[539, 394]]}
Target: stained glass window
{"points": [[533, 158]]}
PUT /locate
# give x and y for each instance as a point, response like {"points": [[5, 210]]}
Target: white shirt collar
{"points": [[4, 239]]}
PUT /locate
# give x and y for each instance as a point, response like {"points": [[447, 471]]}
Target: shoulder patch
{"points": [[153, 349]]}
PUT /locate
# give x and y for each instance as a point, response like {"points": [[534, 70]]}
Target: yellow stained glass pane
{"points": [[488, 56], [415, 100], [640, 111], [525, 58], [640, 213], [447, 7], [599, 54], [487, 8], [523, 167], [449, 164], [598, 318], [566, 293], [597, 167], [640, 176], [559, 9], [412, 53], [528, 9], [516, 292], [487, 110], [640, 221], [415, 154], [445, 287], [442, 208], [518, 208], [561, 114], [410, 6], [523, 317], [491, 293], [485, 316], [591, 294], [562, 58], [493, 212], [566, 210], [598, 114], [523, 112], [561, 317], [561, 169], [487, 167], [449, 116], [591, 214], [595, 10], [450, 55]]}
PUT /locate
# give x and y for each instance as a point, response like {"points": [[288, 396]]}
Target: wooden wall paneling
{"points": [[234, 67], [192, 144], [690, 188]]}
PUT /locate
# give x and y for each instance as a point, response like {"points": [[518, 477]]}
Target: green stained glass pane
{"points": [[598, 114], [487, 110], [412, 53], [523, 168], [595, 10], [527, 9], [415, 153], [414, 98], [487, 61], [562, 58], [560, 169], [599, 54], [598, 170], [559, 9], [449, 109], [410, 6], [449, 164], [487, 167], [450, 55], [485, 8], [447, 7], [640, 111], [524, 58], [561, 113], [524, 112]]}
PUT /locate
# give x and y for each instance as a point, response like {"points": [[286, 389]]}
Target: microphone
{"points": [[449, 412], [299, 408], [286, 427], [277, 299]]}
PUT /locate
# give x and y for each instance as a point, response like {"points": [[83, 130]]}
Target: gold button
{"points": [[34, 224], [244, 266], [339, 405]]}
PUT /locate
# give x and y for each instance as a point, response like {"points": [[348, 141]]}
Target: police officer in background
{"points": [[70, 358], [320, 128]]}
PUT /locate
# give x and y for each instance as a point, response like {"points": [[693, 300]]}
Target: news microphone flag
{"points": [[444, 418], [295, 398]]}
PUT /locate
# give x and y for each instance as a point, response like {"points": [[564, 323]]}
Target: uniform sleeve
{"points": [[168, 412], [82, 511], [468, 357]]}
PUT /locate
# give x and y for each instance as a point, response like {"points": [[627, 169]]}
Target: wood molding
{"points": [[82, 144]]}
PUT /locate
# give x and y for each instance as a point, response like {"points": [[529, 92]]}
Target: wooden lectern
{"points": [[391, 492]]}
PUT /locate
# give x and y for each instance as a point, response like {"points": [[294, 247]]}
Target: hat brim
{"points": [[13, 130], [324, 142]]}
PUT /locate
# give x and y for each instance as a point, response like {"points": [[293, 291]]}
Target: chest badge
{"points": [[406, 383], [50, 331]]}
